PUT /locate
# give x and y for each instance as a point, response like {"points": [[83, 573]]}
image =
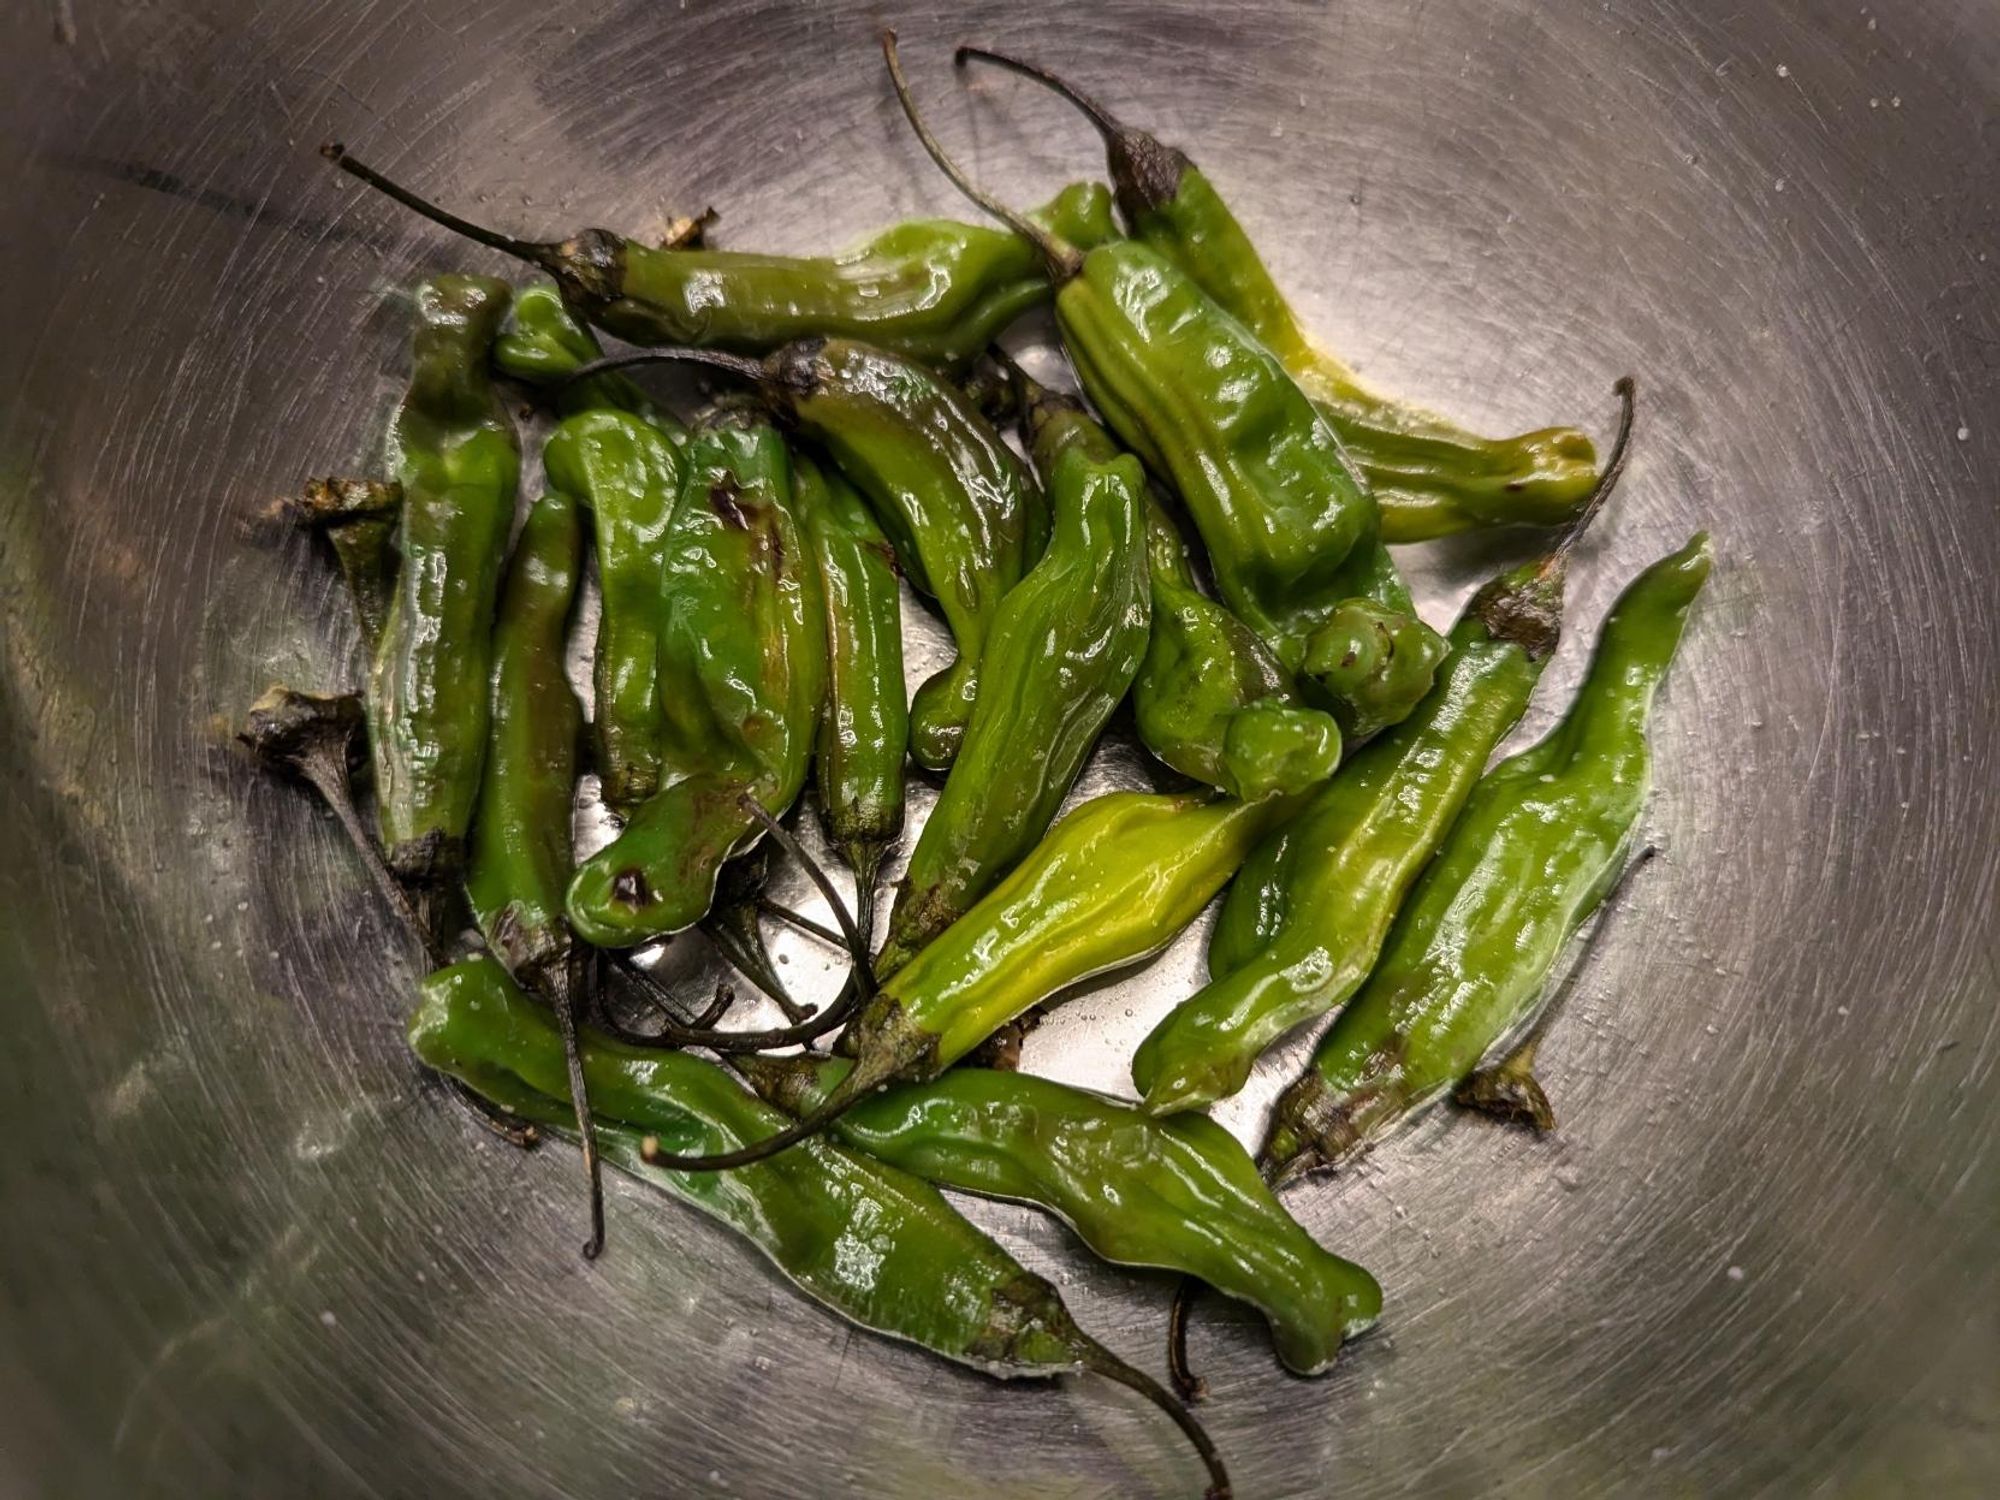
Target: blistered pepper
{"points": [[1191, 391], [1178, 1194], [878, 1246], [453, 450], [1542, 839], [931, 289], [1064, 647], [1429, 476], [742, 666]]}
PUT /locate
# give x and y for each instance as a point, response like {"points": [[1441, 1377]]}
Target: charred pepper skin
{"points": [[742, 669], [626, 470], [934, 290], [454, 452], [1209, 698], [1064, 647], [1541, 841], [1430, 477], [1177, 1194], [864, 728], [877, 1246], [1190, 390], [520, 860]]}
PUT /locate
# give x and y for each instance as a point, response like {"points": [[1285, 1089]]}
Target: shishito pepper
{"points": [[1429, 476], [1542, 839], [1179, 1194], [1209, 698], [1309, 921], [880, 1247], [1064, 646], [932, 289], [864, 727], [742, 667], [520, 858], [453, 450], [962, 511], [1289, 529], [543, 346]]}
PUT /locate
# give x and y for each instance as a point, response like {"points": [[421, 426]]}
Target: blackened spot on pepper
{"points": [[629, 888], [725, 498], [1146, 172], [798, 371]]}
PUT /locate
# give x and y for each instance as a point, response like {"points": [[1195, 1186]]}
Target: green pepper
{"points": [[966, 519], [358, 518], [1064, 647], [1429, 476], [1209, 698], [876, 1245], [1345, 865], [520, 857], [864, 728], [742, 667], [931, 289], [1540, 842], [1179, 1194], [1114, 882], [1192, 392], [454, 452], [543, 346], [626, 469]]}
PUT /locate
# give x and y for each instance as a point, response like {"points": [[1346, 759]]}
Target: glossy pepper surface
{"points": [[742, 669], [932, 289], [1540, 842], [876, 1245], [543, 346], [1305, 928], [864, 727], [1064, 647], [1191, 391], [1429, 476], [1177, 1194], [453, 450], [1209, 698], [626, 470]]}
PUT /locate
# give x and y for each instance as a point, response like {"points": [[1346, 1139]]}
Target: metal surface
{"points": [[249, 1253]]}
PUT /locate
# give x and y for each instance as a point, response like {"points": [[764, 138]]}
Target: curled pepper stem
{"points": [[1189, 1386], [564, 994], [1627, 390], [1063, 260], [855, 939], [697, 1033], [1101, 1361], [534, 253], [1108, 124]]}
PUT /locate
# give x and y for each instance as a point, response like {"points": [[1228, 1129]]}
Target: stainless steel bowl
{"points": [[250, 1253]]}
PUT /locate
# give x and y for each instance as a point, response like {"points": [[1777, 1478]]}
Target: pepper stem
{"points": [[1063, 259], [564, 991], [855, 938], [1189, 1386], [1108, 124], [1101, 1361], [1614, 468], [673, 1033], [535, 254], [735, 364]]}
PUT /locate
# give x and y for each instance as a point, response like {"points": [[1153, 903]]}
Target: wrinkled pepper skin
{"points": [[1064, 647], [1303, 928], [964, 515], [1114, 882], [876, 1245], [454, 452], [1177, 1195], [1429, 477], [626, 470], [543, 346], [742, 671], [879, 1247], [1374, 659], [1541, 841], [1209, 699], [520, 860], [864, 728], [358, 518]]}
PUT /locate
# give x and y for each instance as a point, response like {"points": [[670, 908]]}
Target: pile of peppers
{"points": [[1191, 550]]}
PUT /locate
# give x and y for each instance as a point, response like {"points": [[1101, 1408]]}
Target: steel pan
{"points": [[250, 1253]]}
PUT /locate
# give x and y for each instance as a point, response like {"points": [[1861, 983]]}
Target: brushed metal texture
{"points": [[250, 1253]]}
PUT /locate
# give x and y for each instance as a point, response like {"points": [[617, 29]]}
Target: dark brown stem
{"points": [[1108, 124], [521, 1134], [717, 1008], [674, 1033], [1189, 1386], [736, 364], [862, 972], [849, 1092], [1614, 468], [543, 255], [565, 994], [804, 923], [1063, 260], [1101, 1361]]}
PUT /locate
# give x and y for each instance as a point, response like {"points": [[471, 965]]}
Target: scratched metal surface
{"points": [[249, 1254]]}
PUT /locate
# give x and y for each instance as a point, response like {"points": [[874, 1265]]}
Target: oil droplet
{"points": [[1965, 434], [1734, 1273], [1783, 71]]}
